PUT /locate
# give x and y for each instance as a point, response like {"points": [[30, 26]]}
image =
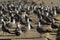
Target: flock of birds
{"points": [[14, 14]]}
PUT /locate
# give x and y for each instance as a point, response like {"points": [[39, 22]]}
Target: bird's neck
{"points": [[47, 14], [2, 19], [28, 8], [28, 20], [9, 19], [13, 21], [12, 15], [39, 24], [3, 23], [28, 24], [19, 25], [55, 12], [53, 21], [41, 17]]}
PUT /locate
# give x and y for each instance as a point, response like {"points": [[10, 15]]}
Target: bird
{"points": [[18, 29], [47, 13], [42, 21], [54, 24], [23, 18], [4, 28], [40, 29], [58, 10], [27, 27], [11, 26], [48, 19], [54, 11]]}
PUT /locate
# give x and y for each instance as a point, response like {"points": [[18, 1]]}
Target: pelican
{"points": [[12, 6], [11, 26], [1, 12], [1, 21], [18, 29], [28, 22], [42, 21], [20, 7], [2, 18], [58, 9], [54, 24], [27, 27], [40, 29], [1, 6], [51, 12], [28, 8], [13, 21], [16, 11], [48, 19], [55, 12], [23, 16], [4, 28], [46, 10]]}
